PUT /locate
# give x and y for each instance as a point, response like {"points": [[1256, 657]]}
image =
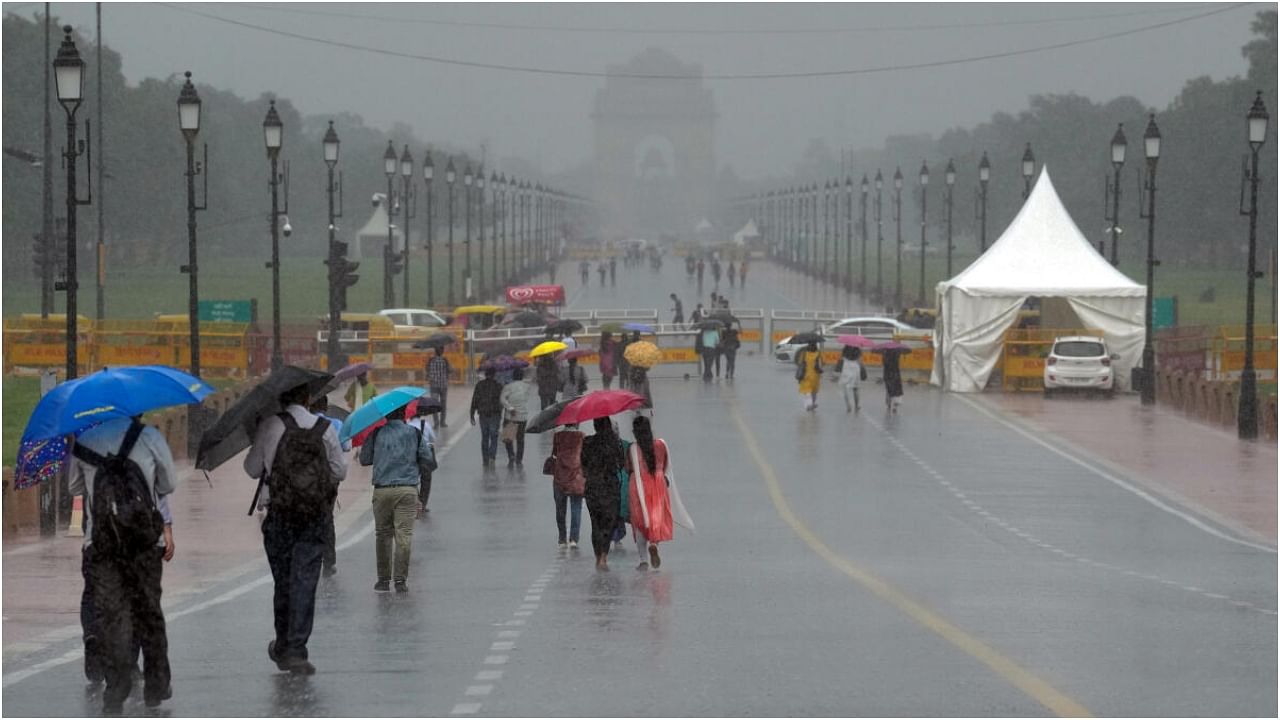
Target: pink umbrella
{"points": [[858, 341]]}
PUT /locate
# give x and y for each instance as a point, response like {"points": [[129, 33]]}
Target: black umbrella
{"points": [[725, 317], [525, 318], [805, 338], [502, 347], [234, 431], [709, 324], [437, 340], [546, 420], [565, 326]]}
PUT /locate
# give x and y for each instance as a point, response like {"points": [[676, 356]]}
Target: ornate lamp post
{"points": [[951, 183], [984, 176], [494, 235], [449, 177], [924, 222], [273, 134], [332, 351], [1028, 170], [409, 211], [480, 284], [1118, 147], [389, 166], [1151, 147], [897, 219], [848, 234], [68, 72], [428, 175], [862, 267], [466, 237], [1247, 421], [189, 123], [879, 239]]}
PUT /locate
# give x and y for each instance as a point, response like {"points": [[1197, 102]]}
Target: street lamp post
{"points": [[951, 184], [924, 222], [389, 167], [1247, 420], [68, 71], [1028, 169], [332, 349], [480, 284], [408, 212], [848, 234], [500, 216], [448, 180], [984, 176], [862, 267], [428, 175], [897, 220], [1151, 147], [493, 231], [879, 239], [1118, 147], [466, 236], [189, 123], [827, 268], [273, 134]]}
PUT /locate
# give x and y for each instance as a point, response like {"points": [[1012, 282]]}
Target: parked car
{"points": [[877, 328], [411, 320], [1079, 362]]}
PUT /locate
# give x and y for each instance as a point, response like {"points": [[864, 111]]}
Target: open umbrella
{"points": [[565, 326], [638, 327], [547, 348], [378, 408], [598, 404], [577, 353], [709, 324], [424, 404], [234, 431], [805, 338], [858, 341], [642, 354], [525, 318], [546, 419], [108, 394], [503, 362], [438, 340], [39, 460], [891, 346], [351, 372]]}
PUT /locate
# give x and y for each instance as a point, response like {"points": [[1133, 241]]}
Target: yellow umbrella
{"points": [[643, 354], [547, 348]]}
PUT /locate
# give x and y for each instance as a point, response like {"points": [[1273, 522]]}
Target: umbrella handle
{"points": [[256, 493], [207, 478]]}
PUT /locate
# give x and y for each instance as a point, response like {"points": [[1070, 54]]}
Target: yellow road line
{"points": [[1021, 678]]}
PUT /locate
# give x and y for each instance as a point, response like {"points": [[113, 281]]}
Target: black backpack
{"points": [[125, 519], [301, 484]]}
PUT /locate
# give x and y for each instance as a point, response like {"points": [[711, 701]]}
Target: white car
{"points": [[408, 320], [1079, 362], [874, 327]]}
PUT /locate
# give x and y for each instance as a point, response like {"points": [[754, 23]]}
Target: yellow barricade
{"points": [[33, 342]]}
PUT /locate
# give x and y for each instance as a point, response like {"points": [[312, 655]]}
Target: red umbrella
{"points": [[427, 402], [598, 404], [577, 353], [858, 341]]}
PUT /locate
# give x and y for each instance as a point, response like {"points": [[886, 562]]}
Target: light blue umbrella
{"points": [[378, 408], [638, 327]]}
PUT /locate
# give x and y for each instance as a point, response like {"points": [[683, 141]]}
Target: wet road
{"points": [[930, 563]]}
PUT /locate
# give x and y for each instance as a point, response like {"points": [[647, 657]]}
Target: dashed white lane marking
{"points": [[503, 644], [1032, 539]]}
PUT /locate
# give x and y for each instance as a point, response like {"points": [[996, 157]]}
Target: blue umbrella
{"points": [[109, 394], [377, 408], [638, 327]]}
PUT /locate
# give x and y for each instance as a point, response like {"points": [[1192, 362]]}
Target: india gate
{"points": [[654, 147]]}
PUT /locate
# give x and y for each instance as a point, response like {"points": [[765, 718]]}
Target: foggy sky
{"points": [[763, 125]]}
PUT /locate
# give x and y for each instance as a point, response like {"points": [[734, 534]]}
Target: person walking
{"points": [[574, 383], [438, 372], [678, 311], [732, 272], [603, 270], [702, 266], [398, 456], [608, 365], [648, 501], [422, 423], [851, 373], [809, 373], [297, 455], [729, 345], [715, 272], [360, 392], [709, 344], [547, 375], [620, 361], [742, 273], [892, 380], [698, 314], [567, 481], [486, 399], [613, 271], [640, 384], [329, 564], [114, 463], [584, 269], [515, 403], [602, 460]]}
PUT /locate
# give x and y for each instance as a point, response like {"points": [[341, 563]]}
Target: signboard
{"points": [[1164, 312], [239, 311], [525, 294]]}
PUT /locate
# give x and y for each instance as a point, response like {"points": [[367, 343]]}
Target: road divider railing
{"points": [[785, 323]]}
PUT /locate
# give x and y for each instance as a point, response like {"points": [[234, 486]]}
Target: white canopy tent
{"points": [[1041, 254], [748, 231]]}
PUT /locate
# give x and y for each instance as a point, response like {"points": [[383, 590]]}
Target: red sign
{"points": [[525, 294]]}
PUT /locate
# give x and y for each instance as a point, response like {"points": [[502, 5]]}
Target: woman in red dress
{"points": [[648, 501]]}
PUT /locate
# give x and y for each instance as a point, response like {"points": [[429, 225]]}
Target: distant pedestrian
{"points": [[486, 399], [584, 269], [733, 273], [603, 270], [708, 343], [701, 268], [122, 465], [422, 423], [742, 273], [515, 405], [567, 482], [547, 375], [608, 366], [569, 340], [438, 372], [602, 461], [729, 344], [320, 406], [851, 374], [640, 384], [678, 310], [809, 373], [620, 360], [613, 270], [399, 457], [648, 502], [297, 455], [697, 315], [892, 380], [715, 272], [574, 380], [360, 392]]}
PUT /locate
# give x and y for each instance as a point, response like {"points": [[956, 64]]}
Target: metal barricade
{"points": [[32, 343], [1229, 352], [752, 322]]}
